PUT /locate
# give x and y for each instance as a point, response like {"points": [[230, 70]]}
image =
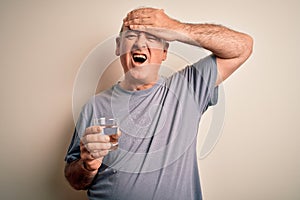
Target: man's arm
{"points": [[231, 48]]}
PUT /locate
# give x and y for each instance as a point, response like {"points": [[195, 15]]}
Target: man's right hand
{"points": [[93, 147]]}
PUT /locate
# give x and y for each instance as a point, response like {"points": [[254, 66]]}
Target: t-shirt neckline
{"points": [[139, 92]]}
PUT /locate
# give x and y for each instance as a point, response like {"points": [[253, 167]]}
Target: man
{"points": [[158, 117]]}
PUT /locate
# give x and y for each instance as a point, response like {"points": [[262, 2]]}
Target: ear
{"points": [[118, 41], [166, 47]]}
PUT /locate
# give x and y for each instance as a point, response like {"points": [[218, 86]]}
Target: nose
{"points": [[141, 41]]}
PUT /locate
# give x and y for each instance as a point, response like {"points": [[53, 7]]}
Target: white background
{"points": [[43, 43]]}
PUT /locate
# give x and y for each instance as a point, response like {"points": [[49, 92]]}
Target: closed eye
{"points": [[131, 36], [152, 38]]}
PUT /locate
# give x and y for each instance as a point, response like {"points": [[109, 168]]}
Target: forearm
{"points": [[221, 41], [79, 177]]}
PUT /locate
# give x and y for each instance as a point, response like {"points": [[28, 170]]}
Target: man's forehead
{"points": [[135, 31], [125, 29]]}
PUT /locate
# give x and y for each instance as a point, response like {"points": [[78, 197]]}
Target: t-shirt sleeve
{"points": [[83, 122], [201, 78]]}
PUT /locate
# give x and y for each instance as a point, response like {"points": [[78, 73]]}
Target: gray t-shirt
{"points": [[156, 158]]}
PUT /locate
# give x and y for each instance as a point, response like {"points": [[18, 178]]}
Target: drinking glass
{"points": [[109, 127]]}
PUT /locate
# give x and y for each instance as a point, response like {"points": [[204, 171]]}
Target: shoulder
{"points": [[97, 98], [208, 61]]}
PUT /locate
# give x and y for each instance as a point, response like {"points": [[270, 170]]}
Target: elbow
{"points": [[248, 46]]}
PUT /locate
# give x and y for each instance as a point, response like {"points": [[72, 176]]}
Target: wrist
{"points": [[86, 168], [187, 34], [181, 30]]}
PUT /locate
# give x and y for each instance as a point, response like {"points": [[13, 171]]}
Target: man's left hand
{"points": [[155, 22]]}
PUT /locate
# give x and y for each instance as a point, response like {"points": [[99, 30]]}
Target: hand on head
{"points": [[153, 21]]}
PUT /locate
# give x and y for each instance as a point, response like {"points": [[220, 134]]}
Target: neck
{"points": [[137, 85]]}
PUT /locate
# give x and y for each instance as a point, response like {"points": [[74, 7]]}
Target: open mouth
{"points": [[139, 58]]}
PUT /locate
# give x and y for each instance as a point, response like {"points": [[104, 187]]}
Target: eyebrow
{"points": [[138, 32]]}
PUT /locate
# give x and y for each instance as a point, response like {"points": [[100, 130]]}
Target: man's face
{"points": [[141, 54]]}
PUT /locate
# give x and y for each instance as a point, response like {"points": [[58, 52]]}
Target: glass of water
{"points": [[110, 128]]}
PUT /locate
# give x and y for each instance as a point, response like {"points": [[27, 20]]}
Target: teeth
{"points": [[139, 56]]}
